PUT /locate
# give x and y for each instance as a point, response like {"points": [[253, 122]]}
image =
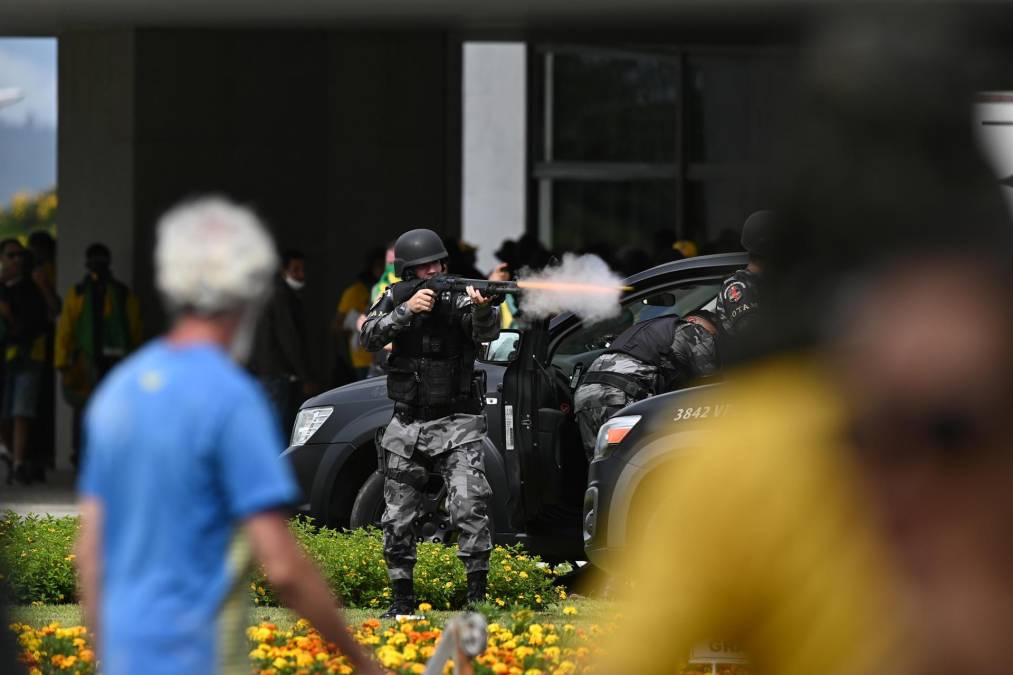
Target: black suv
{"points": [[534, 460]]}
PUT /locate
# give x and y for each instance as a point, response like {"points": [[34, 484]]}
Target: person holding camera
{"points": [[438, 425]]}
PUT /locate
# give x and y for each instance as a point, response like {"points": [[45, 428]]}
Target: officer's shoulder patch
{"points": [[734, 291]]}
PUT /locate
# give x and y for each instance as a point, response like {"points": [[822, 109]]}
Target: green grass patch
{"points": [[589, 612]]}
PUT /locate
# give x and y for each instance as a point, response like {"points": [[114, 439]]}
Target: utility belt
{"points": [[628, 384], [406, 414]]}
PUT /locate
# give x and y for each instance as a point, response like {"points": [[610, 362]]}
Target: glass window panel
{"points": [[618, 219], [735, 104], [716, 210], [610, 108]]}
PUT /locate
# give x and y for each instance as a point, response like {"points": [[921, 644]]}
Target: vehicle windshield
{"points": [[584, 344]]}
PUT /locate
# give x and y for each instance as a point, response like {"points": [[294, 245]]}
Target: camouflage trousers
{"points": [[589, 421], [468, 492]]}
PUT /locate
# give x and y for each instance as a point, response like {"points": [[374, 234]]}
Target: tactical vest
{"points": [[648, 341], [432, 363]]}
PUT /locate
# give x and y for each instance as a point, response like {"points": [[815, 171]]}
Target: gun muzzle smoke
{"points": [[583, 285]]}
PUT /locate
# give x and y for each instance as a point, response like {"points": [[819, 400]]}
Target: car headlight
{"points": [[308, 421], [612, 434]]}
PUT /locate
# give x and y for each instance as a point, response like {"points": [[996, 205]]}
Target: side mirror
{"points": [[503, 349]]}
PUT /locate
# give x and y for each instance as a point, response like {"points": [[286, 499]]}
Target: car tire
{"points": [[369, 503]]}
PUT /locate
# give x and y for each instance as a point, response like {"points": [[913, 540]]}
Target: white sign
{"points": [[508, 422], [715, 652]]}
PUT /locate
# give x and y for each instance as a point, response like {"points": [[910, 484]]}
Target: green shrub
{"points": [[353, 564], [36, 558]]}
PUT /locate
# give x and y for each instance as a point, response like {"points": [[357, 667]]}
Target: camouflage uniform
{"points": [[450, 446], [692, 355], [738, 301]]}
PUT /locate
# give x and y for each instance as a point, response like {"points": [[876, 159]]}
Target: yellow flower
{"points": [[500, 602], [569, 610], [506, 567], [523, 575], [425, 607], [551, 639], [279, 663], [499, 668], [261, 634], [71, 557]]}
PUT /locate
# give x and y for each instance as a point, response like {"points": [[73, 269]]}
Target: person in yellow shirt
{"points": [[761, 539], [99, 326], [354, 302]]}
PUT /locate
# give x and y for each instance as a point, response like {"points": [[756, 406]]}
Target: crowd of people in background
{"points": [[82, 335]]}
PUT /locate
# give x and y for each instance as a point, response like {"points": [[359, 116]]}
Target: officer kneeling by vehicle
{"points": [[438, 423], [648, 358]]}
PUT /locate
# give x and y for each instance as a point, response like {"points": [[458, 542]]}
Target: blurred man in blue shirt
{"points": [[182, 485]]}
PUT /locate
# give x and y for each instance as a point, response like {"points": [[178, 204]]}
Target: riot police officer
{"points": [[438, 425], [741, 293], [649, 358]]}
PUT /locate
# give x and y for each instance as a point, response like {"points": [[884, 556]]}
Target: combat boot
{"points": [[404, 599], [477, 587]]}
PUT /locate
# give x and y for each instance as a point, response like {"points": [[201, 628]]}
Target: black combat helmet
{"points": [[758, 233], [417, 247]]}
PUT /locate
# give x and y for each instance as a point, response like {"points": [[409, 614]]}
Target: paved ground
{"points": [[55, 496]]}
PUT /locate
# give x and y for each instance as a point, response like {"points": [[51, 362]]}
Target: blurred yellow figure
{"points": [[760, 538], [687, 247]]}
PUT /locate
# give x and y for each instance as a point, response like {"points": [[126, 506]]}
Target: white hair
{"points": [[213, 257]]}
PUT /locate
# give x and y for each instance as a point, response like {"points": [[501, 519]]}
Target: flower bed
{"points": [[517, 645], [52, 649], [36, 553]]}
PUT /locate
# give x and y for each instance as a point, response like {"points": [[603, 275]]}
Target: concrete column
{"points": [[95, 165], [495, 110]]}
